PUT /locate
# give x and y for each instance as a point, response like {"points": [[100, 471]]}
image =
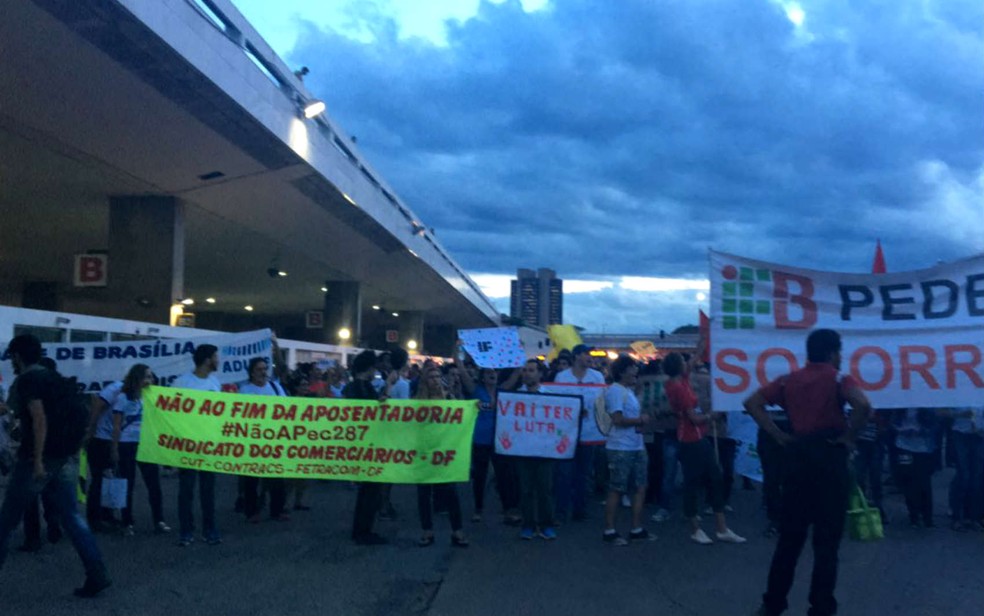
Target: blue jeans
{"points": [[571, 479], [671, 449], [868, 467], [966, 489], [186, 497], [58, 486]]}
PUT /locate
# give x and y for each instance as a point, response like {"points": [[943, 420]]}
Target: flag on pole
{"points": [[878, 265], [705, 336]]}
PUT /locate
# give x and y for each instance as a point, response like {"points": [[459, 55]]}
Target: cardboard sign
{"points": [[494, 347], [643, 347], [590, 394], [537, 425]]}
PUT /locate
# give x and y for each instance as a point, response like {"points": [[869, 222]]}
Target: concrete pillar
{"points": [[343, 310], [146, 257], [411, 327]]}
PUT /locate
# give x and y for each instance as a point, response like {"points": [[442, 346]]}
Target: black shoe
{"points": [[54, 534], [93, 586], [370, 539], [642, 535], [30, 546]]}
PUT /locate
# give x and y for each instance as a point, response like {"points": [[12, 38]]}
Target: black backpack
{"points": [[68, 417]]}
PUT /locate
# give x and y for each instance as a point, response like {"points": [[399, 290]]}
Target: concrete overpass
{"points": [[168, 136]]}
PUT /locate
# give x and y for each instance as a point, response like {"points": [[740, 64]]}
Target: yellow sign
{"points": [[397, 441]]}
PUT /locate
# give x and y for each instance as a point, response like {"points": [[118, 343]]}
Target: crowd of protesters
{"points": [[662, 424]]}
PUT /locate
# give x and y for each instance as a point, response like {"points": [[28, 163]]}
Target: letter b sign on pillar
{"points": [[91, 270]]}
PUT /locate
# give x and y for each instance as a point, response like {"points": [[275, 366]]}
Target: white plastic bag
{"points": [[113, 493]]}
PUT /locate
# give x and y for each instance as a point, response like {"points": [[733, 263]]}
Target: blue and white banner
{"points": [[96, 364]]}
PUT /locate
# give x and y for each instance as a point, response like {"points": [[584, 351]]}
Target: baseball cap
{"points": [[581, 348]]}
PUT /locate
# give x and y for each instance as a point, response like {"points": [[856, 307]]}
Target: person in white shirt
{"points": [[259, 384], [571, 477], [626, 450], [206, 363], [126, 416], [97, 451]]}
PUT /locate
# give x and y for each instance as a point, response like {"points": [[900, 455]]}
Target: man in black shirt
{"points": [[368, 498], [42, 465]]}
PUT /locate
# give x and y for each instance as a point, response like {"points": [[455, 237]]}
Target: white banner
{"points": [[96, 364], [537, 425], [589, 394], [494, 347], [910, 338]]}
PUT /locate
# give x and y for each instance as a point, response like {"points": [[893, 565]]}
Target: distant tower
{"points": [[537, 297]]}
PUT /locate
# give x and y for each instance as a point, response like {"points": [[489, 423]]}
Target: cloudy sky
{"points": [[616, 141]]}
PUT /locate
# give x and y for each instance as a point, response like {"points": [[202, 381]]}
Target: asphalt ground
{"points": [[309, 566]]}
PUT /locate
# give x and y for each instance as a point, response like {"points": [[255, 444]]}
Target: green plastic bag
{"points": [[863, 522]]}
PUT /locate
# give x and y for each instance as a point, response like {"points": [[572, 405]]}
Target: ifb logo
{"points": [[740, 307]]}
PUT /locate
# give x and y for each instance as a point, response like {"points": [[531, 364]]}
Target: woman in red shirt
{"points": [[696, 451]]}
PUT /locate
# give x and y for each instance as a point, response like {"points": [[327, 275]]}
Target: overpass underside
{"points": [[143, 133]]}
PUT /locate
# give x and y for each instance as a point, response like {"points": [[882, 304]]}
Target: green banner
{"points": [[397, 441]]}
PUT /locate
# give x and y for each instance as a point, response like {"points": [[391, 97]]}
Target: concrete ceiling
{"points": [[80, 122]]}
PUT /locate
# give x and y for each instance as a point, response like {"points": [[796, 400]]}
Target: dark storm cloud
{"points": [[605, 138]]}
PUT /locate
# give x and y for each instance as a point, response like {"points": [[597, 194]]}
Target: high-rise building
{"points": [[537, 297]]}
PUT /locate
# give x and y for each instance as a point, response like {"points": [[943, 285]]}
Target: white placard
{"points": [[537, 425]]}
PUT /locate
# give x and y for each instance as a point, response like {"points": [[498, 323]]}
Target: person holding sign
{"points": [[626, 449], [816, 482], [369, 495], [259, 384], [483, 448], [126, 417], [696, 451], [572, 477], [535, 474], [201, 378], [430, 388]]}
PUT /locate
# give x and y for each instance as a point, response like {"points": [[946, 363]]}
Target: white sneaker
{"points": [[661, 515], [729, 536], [701, 537]]}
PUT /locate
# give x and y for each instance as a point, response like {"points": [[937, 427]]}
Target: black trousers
{"points": [[770, 454], [99, 462], [700, 470], [815, 488], [654, 452], [727, 448], [916, 481], [152, 481], [448, 495], [506, 479], [367, 501], [251, 495]]}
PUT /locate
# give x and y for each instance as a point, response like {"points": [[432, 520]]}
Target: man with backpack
{"points": [[53, 422]]}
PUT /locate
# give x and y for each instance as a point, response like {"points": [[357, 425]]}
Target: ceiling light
{"points": [[375, 307], [209, 300], [396, 314], [344, 333], [188, 302], [349, 199], [248, 308], [412, 345], [324, 289], [281, 273], [314, 108]]}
